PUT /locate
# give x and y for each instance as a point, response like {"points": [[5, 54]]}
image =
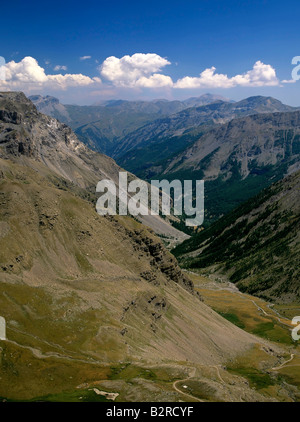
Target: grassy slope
{"points": [[257, 245], [82, 293], [255, 316]]}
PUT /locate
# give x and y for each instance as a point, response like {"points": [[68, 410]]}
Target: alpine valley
{"points": [[97, 308]]}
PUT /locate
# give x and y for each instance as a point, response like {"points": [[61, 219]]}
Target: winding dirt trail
{"points": [[218, 373], [40, 355], [184, 380], [284, 364], [216, 367], [182, 392], [270, 315]]}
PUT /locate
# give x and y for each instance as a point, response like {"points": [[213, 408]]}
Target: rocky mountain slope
{"points": [[27, 133], [146, 150], [80, 292], [240, 158], [257, 245], [263, 139]]}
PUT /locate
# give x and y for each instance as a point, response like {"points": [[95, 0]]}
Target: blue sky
{"points": [[184, 39]]}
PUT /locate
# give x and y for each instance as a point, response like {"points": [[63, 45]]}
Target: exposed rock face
{"points": [[240, 158], [182, 128], [10, 117], [26, 133], [161, 259], [248, 143]]}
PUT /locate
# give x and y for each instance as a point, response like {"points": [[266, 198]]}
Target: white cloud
{"points": [[157, 80], [138, 70], [59, 67], [261, 75], [27, 76], [289, 81], [69, 80], [85, 57]]}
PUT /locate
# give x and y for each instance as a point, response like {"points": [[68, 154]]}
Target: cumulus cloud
{"points": [[85, 57], [27, 75], [261, 75], [141, 70], [138, 70], [156, 80], [59, 67]]}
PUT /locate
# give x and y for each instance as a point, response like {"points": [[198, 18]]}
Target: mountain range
{"points": [[222, 142], [101, 126], [240, 158], [145, 148]]}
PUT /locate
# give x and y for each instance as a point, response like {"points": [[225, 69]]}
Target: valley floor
{"points": [[261, 374]]}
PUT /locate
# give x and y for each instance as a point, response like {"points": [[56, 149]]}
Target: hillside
{"points": [[257, 246], [86, 296], [146, 150], [240, 158], [237, 159], [27, 133], [257, 140]]}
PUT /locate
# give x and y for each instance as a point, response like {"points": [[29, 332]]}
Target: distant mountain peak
{"points": [[205, 99], [48, 99]]}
